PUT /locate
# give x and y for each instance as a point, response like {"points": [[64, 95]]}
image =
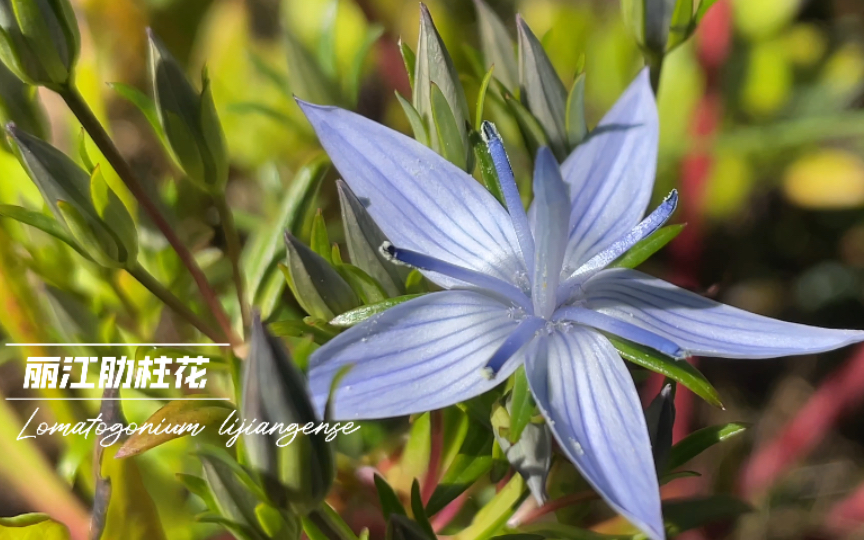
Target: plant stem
{"points": [[82, 111], [158, 290], [232, 242]]}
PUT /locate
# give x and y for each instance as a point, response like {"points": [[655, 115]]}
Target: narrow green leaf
{"points": [[472, 462], [43, 223], [531, 129], [266, 247], [32, 527], [541, 90], [704, 6], [320, 241], [319, 289], [481, 97], [496, 512], [417, 125], [144, 104], [449, 135], [419, 512], [360, 314], [648, 246], [521, 405], [198, 486], [700, 440], [410, 60], [190, 417], [308, 81], [577, 129], [294, 328], [390, 503], [676, 475], [366, 287], [498, 48], [677, 370], [682, 24], [487, 168]]}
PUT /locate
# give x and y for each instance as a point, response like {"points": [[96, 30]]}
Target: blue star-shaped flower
{"points": [[532, 289]]}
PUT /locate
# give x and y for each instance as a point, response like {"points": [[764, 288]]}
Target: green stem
{"points": [[232, 242], [82, 111], [160, 292]]}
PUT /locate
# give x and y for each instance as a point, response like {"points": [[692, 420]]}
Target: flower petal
{"points": [[611, 174], [588, 398], [550, 195], [425, 354], [421, 201], [702, 326]]}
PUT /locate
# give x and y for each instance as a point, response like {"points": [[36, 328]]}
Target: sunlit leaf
{"points": [[699, 441], [648, 246], [677, 370]]}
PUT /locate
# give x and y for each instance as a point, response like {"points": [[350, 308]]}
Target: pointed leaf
{"points": [[678, 370], [450, 143], [390, 503], [647, 247], [417, 125], [577, 129], [700, 440], [498, 48], [360, 314]]}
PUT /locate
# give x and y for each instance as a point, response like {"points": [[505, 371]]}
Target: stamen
{"points": [[431, 264], [626, 330], [523, 333], [646, 227], [511, 194]]}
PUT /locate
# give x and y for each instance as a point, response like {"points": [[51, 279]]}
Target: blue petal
{"points": [[418, 199], [510, 191], [588, 398], [620, 328], [550, 231], [425, 354], [701, 326], [611, 174]]}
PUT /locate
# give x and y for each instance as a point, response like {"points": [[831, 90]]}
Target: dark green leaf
{"points": [[266, 246], [521, 405], [449, 135], [419, 512], [367, 289], [417, 125], [699, 441], [487, 168], [677, 370], [497, 45], [317, 286], [409, 59], [577, 129], [360, 314], [390, 503], [648, 246], [472, 462], [295, 328], [541, 89], [320, 241]]}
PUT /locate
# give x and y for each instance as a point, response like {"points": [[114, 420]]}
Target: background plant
{"points": [[760, 132]]}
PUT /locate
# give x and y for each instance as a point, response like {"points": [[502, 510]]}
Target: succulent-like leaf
{"points": [[542, 92]]}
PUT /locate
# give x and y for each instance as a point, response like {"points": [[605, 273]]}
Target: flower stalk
{"points": [[82, 111], [159, 291]]}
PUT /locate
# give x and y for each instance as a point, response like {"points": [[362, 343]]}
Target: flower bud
{"points": [[434, 72], [316, 285], [84, 205], [542, 91], [298, 474], [364, 239], [39, 40], [189, 121], [660, 418], [20, 105], [531, 455]]}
